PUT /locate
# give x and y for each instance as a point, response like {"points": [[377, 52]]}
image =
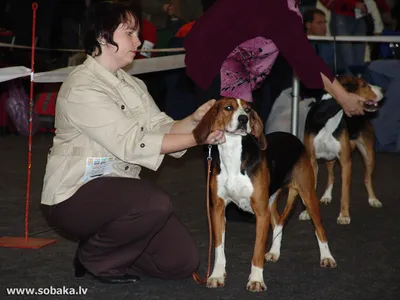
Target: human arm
{"points": [[289, 37], [352, 104], [95, 115], [294, 45], [183, 126], [178, 142], [181, 135]]}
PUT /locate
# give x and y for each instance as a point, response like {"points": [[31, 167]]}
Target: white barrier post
{"points": [[295, 105]]}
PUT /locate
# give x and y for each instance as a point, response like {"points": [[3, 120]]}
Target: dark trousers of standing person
{"points": [[126, 225]]}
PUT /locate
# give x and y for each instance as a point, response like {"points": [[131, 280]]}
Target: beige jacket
{"points": [[107, 122]]}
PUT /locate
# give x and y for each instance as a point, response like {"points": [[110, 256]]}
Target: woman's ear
{"points": [[257, 129], [101, 41], [205, 126]]}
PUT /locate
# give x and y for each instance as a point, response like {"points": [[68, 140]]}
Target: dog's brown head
{"points": [[234, 116], [359, 86]]}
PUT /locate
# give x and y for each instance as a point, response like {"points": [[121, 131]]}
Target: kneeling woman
{"points": [[107, 128]]}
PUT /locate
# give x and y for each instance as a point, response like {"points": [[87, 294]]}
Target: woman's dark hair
{"points": [[101, 20]]}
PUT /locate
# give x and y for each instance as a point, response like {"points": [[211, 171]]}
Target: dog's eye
{"points": [[363, 85], [229, 107], [247, 110]]}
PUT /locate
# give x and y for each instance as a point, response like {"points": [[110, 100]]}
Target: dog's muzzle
{"points": [[243, 119], [372, 106]]}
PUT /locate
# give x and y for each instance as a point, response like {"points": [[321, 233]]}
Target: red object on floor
{"points": [[25, 243]]}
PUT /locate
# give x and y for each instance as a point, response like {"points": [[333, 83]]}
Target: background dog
{"points": [[331, 135]]}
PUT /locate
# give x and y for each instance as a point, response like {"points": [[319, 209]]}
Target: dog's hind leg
{"points": [[309, 144], [260, 206], [327, 197], [278, 222], [303, 179], [365, 144]]}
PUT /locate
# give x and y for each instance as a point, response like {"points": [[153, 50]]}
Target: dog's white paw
{"points": [[328, 262], [215, 282], [256, 286], [304, 216], [375, 203], [272, 257], [326, 200], [342, 220]]}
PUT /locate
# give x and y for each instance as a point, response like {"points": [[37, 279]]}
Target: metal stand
{"points": [[295, 105]]}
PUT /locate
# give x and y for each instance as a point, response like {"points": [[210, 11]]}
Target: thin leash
{"points": [[196, 277]]}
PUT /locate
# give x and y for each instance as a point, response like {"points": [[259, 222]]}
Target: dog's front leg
{"points": [[327, 197], [365, 144], [217, 277], [263, 216]]}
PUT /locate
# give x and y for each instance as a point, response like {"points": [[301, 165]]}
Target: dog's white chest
{"points": [[232, 185], [325, 144]]}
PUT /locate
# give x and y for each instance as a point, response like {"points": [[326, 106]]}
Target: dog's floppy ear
{"points": [[205, 126], [257, 129], [350, 83]]}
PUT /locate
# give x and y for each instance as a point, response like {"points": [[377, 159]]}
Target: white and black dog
{"points": [[330, 134]]}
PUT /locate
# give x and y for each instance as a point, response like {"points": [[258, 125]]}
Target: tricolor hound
{"points": [[330, 134], [248, 173]]}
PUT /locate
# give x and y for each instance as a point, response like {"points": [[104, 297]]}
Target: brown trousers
{"points": [[126, 224]]}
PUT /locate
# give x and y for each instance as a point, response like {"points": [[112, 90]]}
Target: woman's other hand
{"points": [[215, 138], [352, 104]]}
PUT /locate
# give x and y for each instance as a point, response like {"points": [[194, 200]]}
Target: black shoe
{"points": [[80, 271], [117, 279]]}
